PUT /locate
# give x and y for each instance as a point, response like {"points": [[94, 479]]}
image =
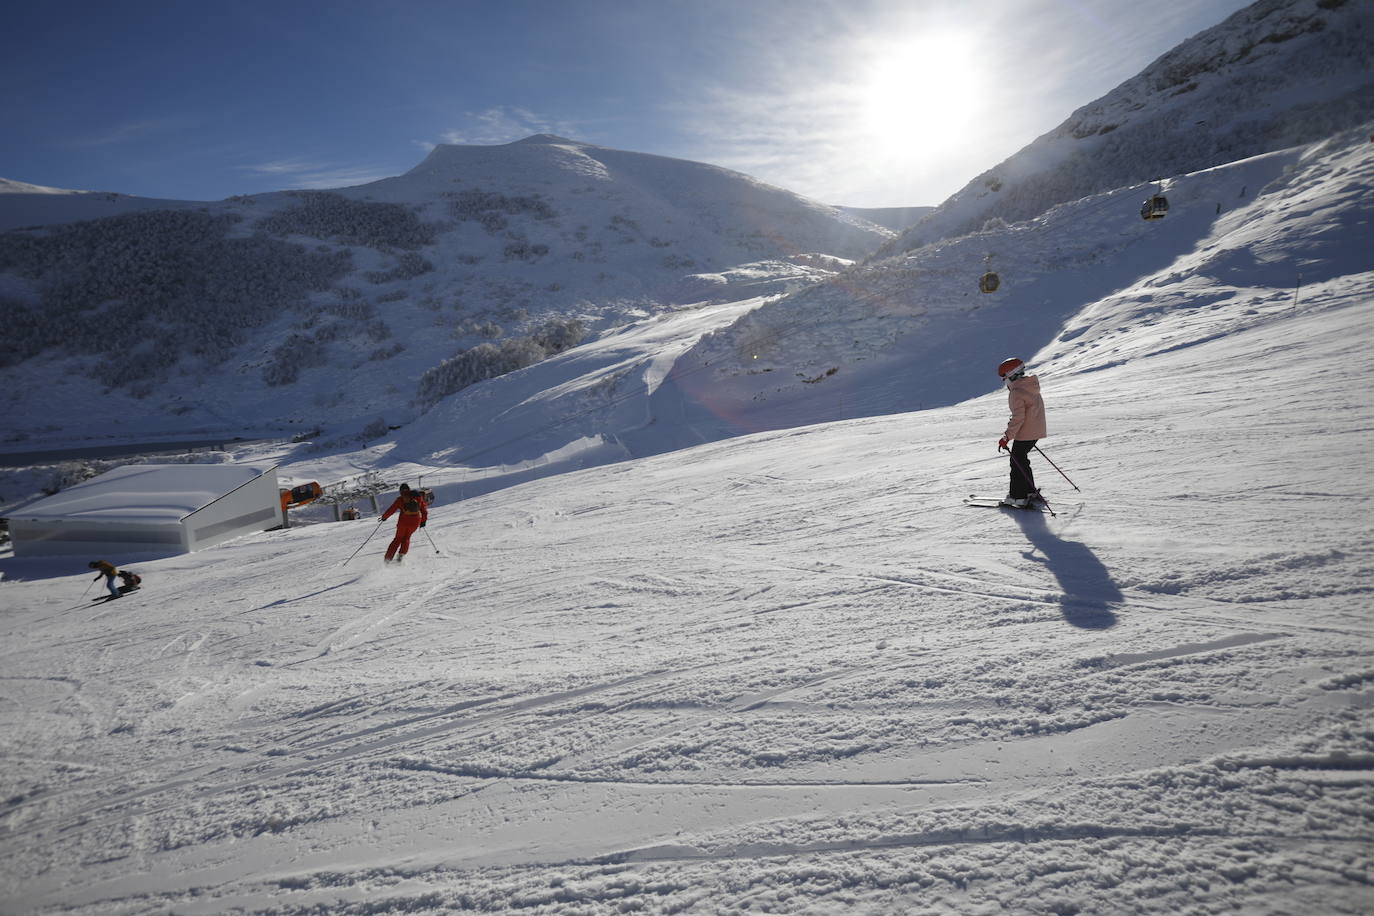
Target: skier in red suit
{"points": [[414, 514]]}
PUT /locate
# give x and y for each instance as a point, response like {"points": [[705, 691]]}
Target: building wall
{"points": [[34, 538], [114, 524], [255, 506]]}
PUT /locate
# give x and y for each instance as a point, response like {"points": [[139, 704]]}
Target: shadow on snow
{"points": [[1090, 594]]}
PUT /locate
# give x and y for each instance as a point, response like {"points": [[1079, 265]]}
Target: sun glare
{"points": [[920, 95]]}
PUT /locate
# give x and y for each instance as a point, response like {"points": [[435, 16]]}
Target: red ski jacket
{"points": [[419, 513]]}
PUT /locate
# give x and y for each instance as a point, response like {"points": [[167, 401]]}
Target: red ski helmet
{"points": [[1010, 369]]}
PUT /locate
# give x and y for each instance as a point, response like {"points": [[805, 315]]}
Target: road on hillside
{"points": [[127, 450]]}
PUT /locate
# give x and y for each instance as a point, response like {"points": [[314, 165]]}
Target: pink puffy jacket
{"points": [[1027, 409]]}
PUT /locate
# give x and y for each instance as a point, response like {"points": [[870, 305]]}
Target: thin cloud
{"points": [[282, 167], [123, 133], [798, 139], [843, 130], [819, 118], [300, 174], [502, 124]]}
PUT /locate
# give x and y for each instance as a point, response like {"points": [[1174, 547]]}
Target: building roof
{"points": [[143, 493]]}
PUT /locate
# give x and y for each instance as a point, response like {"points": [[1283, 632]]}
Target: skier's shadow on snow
{"points": [[1089, 592]]}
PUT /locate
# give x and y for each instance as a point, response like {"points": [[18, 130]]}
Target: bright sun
{"points": [[919, 95]]}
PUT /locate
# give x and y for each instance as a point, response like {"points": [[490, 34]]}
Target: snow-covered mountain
{"points": [[915, 332], [308, 309], [355, 310], [1277, 74]]}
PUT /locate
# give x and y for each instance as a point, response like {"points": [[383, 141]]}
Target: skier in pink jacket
{"points": [[1024, 429]]}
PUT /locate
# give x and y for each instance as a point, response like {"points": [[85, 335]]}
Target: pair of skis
{"points": [[122, 592], [992, 502], [1040, 504]]}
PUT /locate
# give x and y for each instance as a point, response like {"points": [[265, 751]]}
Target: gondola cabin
{"points": [[989, 282], [1155, 208]]}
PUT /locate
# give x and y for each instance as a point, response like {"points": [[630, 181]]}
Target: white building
{"points": [[150, 508]]}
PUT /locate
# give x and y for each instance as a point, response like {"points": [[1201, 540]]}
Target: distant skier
{"points": [[109, 571], [413, 514], [1024, 429]]}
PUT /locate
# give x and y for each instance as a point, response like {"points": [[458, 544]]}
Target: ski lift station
{"points": [[150, 508]]}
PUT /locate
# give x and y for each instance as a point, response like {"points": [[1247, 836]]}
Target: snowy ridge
{"points": [[1276, 74], [24, 205], [19, 187]]}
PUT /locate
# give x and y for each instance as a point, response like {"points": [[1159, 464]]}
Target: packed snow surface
{"points": [[785, 671]]}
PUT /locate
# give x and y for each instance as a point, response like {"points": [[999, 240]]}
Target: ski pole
{"points": [[364, 543], [1026, 474], [1056, 467], [80, 601], [89, 586], [431, 540]]}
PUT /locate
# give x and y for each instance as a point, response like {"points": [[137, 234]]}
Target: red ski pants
{"points": [[405, 527]]}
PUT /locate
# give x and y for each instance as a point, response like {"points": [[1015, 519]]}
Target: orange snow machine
{"points": [[299, 496]]}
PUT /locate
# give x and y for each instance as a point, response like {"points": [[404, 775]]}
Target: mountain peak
{"points": [[542, 139]]}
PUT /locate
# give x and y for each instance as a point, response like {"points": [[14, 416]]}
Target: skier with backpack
{"points": [[109, 571], [413, 515], [1025, 427]]}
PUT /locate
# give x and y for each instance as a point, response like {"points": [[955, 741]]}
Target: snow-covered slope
{"points": [[1084, 287], [300, 310], [1276, 74], [786, 672]]}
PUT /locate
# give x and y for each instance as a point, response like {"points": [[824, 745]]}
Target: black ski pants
{"points": [[1022, 477]]}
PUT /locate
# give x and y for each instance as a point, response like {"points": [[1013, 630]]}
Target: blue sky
{"points": [[858, 102]]}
